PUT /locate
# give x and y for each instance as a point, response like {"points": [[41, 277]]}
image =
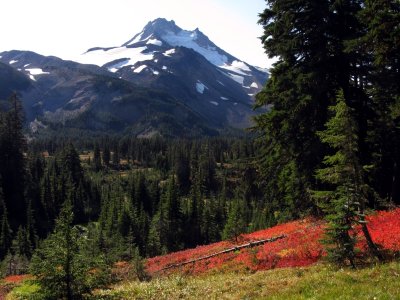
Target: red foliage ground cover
{"points": [[384, 227], [300, 247], [16, 278]]}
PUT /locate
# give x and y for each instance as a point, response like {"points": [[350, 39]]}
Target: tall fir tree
{"points": [[12, 162], [61, 268], [96, 158], [345, 203], [5, 230], [381, 53], [106, 154], [308, 37], [236, 221]]}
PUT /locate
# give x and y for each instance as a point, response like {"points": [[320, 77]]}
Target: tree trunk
{"points": [[371, 245], [395, 190]]}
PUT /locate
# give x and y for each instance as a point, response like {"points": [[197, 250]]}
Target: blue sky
{"points": [[66, 28]]}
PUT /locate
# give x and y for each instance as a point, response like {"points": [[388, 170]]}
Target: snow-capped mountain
{"points": [[161, 37], [65, 97], [164, 80], [187, 65]]}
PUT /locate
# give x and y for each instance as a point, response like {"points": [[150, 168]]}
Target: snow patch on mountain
{"points": [[36, 71], [13, 62], [238, 67], [137, 38], [188, 39], [254, 85], [239, 79], [114, 68], [101, 57], [224, 98], [154, 42], [214, 103], [200, 87], [140, 69], [169, 52]]}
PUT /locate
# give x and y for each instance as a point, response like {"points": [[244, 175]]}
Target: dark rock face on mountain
{"points": [[164, 80], [11, 80]]}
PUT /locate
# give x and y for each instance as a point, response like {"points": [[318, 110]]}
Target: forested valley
{"points": [[128, 196]]}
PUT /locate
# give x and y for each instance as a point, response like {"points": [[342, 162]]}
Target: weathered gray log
{"points": [[248, 245]]}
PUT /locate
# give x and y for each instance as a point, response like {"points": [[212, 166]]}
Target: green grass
{"points": [[317, 282], [27, 290]]}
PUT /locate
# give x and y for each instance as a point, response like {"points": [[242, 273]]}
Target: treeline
{"points": [[33, 189], [332, 136], [153, 196]]}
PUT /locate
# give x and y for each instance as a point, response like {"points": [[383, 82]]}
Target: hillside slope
{"points": [[300, 247], [315, 282], [234, 276]]}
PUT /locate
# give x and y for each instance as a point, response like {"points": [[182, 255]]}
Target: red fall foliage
{"points": [[301, 247]]}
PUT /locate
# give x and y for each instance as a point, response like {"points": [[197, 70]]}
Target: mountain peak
{"points": [[162, 21], [161, 25], [155, 28]]}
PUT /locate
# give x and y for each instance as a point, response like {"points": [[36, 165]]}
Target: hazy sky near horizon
{"points": [[66, 28]]}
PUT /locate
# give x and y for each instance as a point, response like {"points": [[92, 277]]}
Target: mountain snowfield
{"points": [[164, 80], [163, 37]]}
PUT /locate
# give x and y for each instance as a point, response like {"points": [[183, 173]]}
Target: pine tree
{"points": [[70, 164], [157, 241], [97, 158], [344, 204], [182, 170], [381, 53], [193, 235], [106, 155], [174, 216], [308, 38], [23, 246], [60, 267], [12, 161], [116, 158], [5, 230], [236, 222]]}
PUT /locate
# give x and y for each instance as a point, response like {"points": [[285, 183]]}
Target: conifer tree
{"points": [[154, 246], [380, 51], [236, 222], [60, 267], [12, 161], [193, 234], [308, 38], [182, 170], [5, 230], [97, 158], [344, 204], [116, 158], [158, 233], [174, 216], [106, 155]]}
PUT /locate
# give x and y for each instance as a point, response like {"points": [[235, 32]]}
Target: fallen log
{"points": [[239, 247]]}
